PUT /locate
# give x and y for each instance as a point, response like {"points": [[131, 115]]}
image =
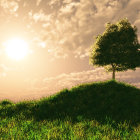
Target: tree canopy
{"points": [[117, 49]]}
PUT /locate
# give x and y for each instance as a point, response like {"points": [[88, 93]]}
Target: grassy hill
{"points": [[103, 110]]}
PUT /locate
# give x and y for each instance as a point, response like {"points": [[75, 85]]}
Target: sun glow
{"points": [[16, 48]]}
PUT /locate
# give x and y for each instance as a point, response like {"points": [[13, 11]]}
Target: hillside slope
{"points": [[118, 101]]}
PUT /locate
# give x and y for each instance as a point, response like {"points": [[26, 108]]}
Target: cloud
{"points": [[50, 85], [69, 25], [137, 24], [78, 21], [67, 28], [43, 87], [3, 70], [10, 6], [38, 2]]}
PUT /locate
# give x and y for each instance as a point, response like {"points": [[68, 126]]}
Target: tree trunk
{"points": [[113, 74]]}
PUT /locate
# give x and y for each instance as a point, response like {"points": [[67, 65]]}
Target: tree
{"points": [[117, 49]]}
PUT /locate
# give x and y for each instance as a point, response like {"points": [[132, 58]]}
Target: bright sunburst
{"points": [[16, 48]]}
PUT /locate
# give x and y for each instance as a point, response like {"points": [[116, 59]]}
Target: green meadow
{"points": [[101, 110]]}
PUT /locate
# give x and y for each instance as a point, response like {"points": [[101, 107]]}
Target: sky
{"points": [[59, 34]]}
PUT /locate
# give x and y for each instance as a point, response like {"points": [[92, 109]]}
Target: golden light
{"points": [[16, 48]]}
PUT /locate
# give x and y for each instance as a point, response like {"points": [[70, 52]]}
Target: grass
{"points": [[102, 110]]}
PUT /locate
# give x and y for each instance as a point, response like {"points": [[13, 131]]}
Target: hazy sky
{"points": [[59, 34]]}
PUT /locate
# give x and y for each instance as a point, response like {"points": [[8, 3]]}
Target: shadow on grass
{"points": [[118, 101]]}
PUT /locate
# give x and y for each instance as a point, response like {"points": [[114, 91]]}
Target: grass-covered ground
{"points": [[103, 110]]}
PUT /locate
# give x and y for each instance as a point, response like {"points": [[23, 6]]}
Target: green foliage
{"points": [[103, 110], [117, 49], [5, 102]]}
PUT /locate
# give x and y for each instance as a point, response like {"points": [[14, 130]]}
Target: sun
{"points": [[16, 48]]}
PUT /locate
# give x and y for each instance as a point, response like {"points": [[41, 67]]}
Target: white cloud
{"points": [[3, 70], [10, 6], [71, 24], [38, 2], [52, 85], [78, 21], [38, 88], [67, 27]]}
